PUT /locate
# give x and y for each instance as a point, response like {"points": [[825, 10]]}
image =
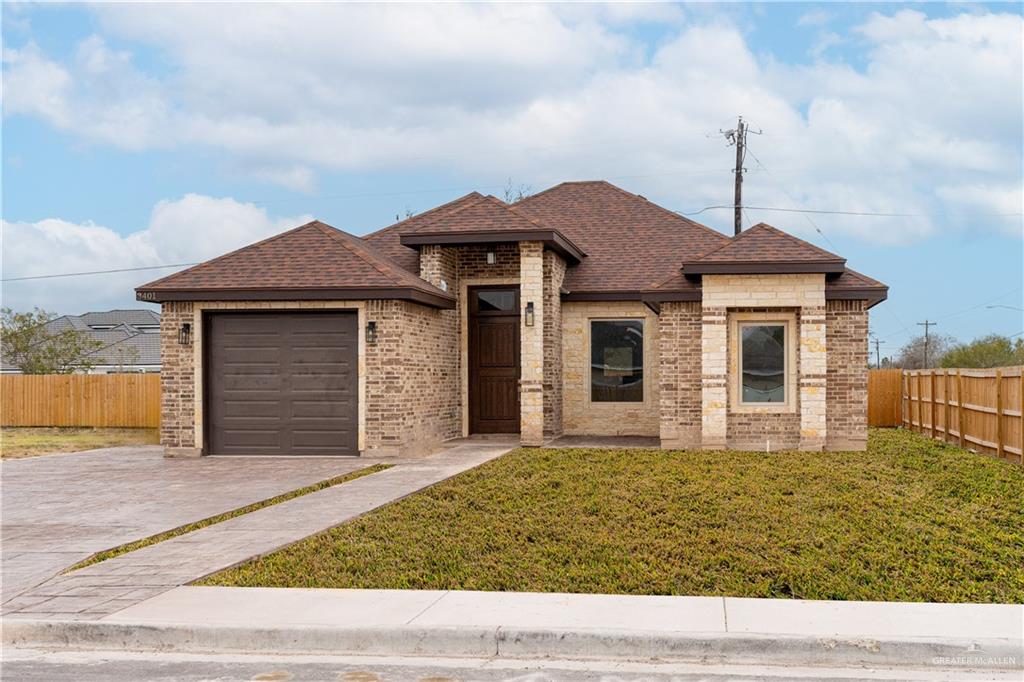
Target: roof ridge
{"points": [[372, 256], [230, 253], [338, 236], [670, 212], [394, 226], [803, 242], [469, 204]]}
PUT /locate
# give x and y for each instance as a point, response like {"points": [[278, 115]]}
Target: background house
{"points": [[130, 340]]}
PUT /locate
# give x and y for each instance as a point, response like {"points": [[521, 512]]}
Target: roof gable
{"points": [[765, 249], [314, 260]]}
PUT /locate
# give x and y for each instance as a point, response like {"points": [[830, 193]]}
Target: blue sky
{"points": [[136, 135]]}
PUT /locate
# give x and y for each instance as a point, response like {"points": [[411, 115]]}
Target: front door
{"points": [[494, 359]]}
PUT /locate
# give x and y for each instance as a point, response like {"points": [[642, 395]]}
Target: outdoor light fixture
{"points": [[529, 313], [491, 258], [185, 334], [371, 332]]}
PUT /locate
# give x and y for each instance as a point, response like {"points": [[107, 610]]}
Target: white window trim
{"points": [[791, 381], [589, 358]]}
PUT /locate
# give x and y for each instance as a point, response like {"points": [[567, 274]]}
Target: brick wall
{"points": [[847, 400], [554, 275], [177, 381], [679, 370], [580, 416], [412, 397]]}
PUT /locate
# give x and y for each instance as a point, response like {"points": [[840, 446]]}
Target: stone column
{"points": [[813, 372], [531, 381], [714, 375]]}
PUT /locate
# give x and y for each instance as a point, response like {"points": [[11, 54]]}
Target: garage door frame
{"points": [[203, 314]]}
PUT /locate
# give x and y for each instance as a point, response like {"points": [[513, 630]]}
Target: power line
{"points": [[795, 203], [99, 272], [854, 213]]}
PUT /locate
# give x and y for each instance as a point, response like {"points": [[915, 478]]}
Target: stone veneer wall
{"points": [[580, 417], [801, 424], [177, 382], [554, 276], [679, 373], [847, 401], [531, 381]]}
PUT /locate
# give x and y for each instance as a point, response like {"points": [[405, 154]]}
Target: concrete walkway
{"points": [[109, 586], [528, 625], [60, 509]]}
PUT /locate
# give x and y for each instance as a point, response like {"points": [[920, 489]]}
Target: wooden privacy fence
{"points": [[980, 409], [127, 400], [884, 397]]}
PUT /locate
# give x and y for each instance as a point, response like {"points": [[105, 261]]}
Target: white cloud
{"points": [[190, 229], [544, 93]]}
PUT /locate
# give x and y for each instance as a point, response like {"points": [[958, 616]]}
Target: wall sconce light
{"points": [[371, 332], [185, 334], [491, 258], [529, 313]]}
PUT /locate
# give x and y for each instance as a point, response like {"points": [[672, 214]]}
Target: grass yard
{"points": [[18, 442], [909, 520]]}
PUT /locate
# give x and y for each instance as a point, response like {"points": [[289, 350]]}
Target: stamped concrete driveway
{"points": [[60, 509]]}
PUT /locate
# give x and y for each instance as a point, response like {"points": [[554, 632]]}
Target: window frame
{"points": [[789, 373], [590, 360]]}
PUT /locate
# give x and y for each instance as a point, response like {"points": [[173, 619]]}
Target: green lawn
{"points": [[18, 442], [909, 520]]}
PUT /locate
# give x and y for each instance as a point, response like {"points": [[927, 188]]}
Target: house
{"points": [[581, 310], [128, 340]]}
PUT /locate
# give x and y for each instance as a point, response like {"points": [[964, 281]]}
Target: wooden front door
{"points": [[494, 359]]}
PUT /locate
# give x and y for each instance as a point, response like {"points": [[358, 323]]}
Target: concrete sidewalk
{"points": [[526, 625]]}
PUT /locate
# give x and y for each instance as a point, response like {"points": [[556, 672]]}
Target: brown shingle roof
{"points": [[631, 243], [387, 240], [764, 248], [314, 260]]}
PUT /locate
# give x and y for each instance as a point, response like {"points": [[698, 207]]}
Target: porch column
{"points": [[531, 381], [813, 375], [714, 375]]}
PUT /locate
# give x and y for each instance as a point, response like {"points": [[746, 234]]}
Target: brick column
{"points": [[714, 375], [531, 381], [813, 369]]}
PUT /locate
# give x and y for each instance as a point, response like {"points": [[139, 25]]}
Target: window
{"points": [[617, 361], [496, 300], [762, 363]]}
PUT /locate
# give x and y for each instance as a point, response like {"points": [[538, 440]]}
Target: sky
{"points": [[137, 135]]}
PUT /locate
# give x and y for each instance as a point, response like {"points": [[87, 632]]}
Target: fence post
{"points": [[999, 412], [946, 413], [931, 396], [920, 405], [960, 407]]}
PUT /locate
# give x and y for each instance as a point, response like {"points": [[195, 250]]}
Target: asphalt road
{"points": [[50, 666]]}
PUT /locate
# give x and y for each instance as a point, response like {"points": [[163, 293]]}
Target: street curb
{"points": [[740, 648]]}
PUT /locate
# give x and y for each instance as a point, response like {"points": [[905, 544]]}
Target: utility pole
{"points": [[926, 324], [878, 354], [738, 137]]}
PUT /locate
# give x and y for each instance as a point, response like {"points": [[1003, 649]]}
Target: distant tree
{"points": [[29, 346], [125, 357], [988, 351], [514, 193], [912, 355]]}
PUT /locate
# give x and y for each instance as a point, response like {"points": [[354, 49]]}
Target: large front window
{"points": [[617, 361], [762, 363]]}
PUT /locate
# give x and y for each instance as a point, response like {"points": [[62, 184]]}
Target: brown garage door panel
{"points": [[282, 383]]}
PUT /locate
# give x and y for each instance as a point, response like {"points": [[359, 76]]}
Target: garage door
{"points": [[282, 384]]}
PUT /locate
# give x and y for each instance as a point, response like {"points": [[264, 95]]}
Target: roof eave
{"points": [[553, 239], [765, 268], [413, 294], [873, 295]]}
